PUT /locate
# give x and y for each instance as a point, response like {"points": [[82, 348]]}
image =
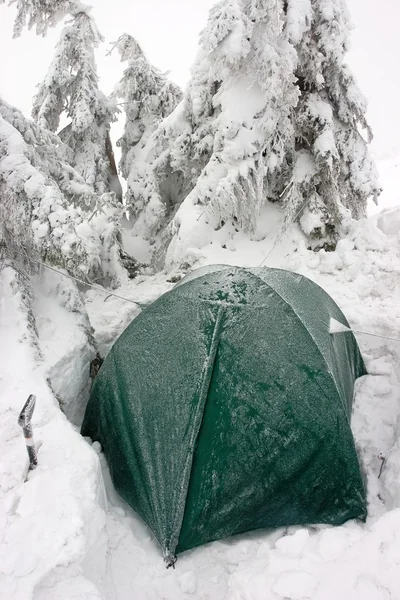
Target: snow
{"points": [[188, 582], [64, 532], [82, 545], [50, 517], [240, 100], [231, 143], [336, 327], [64, 342], [135, 245], [345, 562], [85, 546], [389, 171], [299, 14], [38, 191], [310, 221]]}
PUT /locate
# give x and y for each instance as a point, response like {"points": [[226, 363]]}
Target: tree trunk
{"points": [[115, 185]]}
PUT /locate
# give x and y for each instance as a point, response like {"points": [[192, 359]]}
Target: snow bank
{"points": [[199, 241], [65, 338], [349, 562], [49, 517]]}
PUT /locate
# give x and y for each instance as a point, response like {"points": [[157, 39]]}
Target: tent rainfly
{"points": [[225, 407]]}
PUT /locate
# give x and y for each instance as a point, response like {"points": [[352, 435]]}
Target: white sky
{"points": [[168, 32]]}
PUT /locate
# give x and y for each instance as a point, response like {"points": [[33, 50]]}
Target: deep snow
{"points": [[61, 538]]}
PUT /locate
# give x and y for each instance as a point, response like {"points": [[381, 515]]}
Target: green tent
{"points": [[225, 407]]}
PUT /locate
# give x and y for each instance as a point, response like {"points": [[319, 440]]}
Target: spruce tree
{"points": [[39, 224], [271, 113], [47, 211], [331, 131], [41, 14], [71, 88], [147, 97]]}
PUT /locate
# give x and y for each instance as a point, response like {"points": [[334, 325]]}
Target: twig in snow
{"points": [[383, 459]]}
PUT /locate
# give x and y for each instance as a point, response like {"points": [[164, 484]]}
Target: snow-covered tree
{"points": [[41, 14], [147, 97], [40, 224], [54, 219], [332, 172], [71, 87], [46, 208], [271, 113]]}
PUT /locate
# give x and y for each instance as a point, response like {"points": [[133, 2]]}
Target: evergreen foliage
{"points": [[71, 87], [47, 208], [147, 97], [271, 113], [42, 14]]}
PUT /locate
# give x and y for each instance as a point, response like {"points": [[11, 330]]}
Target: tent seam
{"points": [[315, 342], [224, 303], [187, 469]]}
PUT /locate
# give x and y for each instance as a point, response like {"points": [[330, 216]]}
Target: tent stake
{"points": [[170, 560], [24, 420]]}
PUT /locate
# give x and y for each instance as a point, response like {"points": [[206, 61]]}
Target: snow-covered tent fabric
{"points": [[225, 407]]}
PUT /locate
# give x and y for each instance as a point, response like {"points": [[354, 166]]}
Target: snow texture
{"points": [[65, 338], [78, 550], [59, 536], [147, 97], [70, 88], [269, 94], [49, 517], [41, 14], [48, 210]]}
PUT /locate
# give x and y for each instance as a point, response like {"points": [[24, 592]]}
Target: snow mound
{"points": [[49, 517], [65, 340], [350, 562], [389, 221]]}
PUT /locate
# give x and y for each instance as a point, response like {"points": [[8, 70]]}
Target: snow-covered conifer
{"points": [[39, 224], [47, 208], [271, 113], [332, 172], [41, 14], [71, 87], [147, 97]]}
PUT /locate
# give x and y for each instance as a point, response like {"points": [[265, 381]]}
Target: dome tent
{"points": [[225, 407]]}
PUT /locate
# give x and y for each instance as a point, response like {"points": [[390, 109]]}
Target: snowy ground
{"points": [[63, 538]]}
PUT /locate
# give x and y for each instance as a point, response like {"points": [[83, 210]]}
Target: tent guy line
{"points": [[336, 327], [284, 230], [92, 285]]}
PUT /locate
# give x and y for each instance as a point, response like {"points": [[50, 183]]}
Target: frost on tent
{"points": [[225, 407]]}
